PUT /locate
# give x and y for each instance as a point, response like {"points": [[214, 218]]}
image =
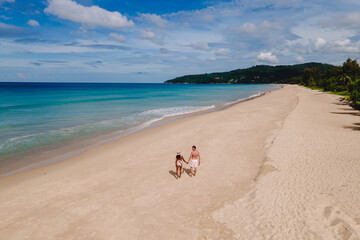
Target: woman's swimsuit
{"points": [[178, 161]]}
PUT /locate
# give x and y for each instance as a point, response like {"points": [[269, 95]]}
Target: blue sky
{"points": [[152, 41]]}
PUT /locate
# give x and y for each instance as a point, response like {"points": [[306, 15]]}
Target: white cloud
{"points": [[77, 46], [343, 46], [208, 17], [200, 17], [82, 30], [156, 19], [164, 51], [300, 59], [222, 51], [117, 37], [230, 35], [10, 1], [247, 28], [33, 23], [298, 47], [343, 42], [252, 28], [187, 37], [203, 46], [267, 57], [20, 75], [8, 30], [8, 26], [343, 21], [5, 17], [147, 34], [93, 16], [318, 43]]}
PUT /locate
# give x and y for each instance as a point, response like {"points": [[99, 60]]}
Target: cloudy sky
{"points": [[152, 41]]}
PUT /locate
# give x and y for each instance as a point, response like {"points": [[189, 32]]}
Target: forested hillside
{"points": [[257, 74]]}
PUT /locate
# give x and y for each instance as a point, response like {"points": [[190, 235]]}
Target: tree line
{"points": [[260, 74], [343, 80]]}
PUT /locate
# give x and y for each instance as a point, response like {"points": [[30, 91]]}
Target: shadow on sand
{"points": [[356, 127], [341, 103], [187, 171], [173, 173], [346, 109], [349, 111]]}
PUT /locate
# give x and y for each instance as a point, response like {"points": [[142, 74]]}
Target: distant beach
{"points": [[281, 166]]}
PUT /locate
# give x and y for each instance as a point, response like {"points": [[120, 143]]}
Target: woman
{"points": [[178, 164]]}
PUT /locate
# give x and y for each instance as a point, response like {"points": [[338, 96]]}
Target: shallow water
{"points": [[34, 115]]}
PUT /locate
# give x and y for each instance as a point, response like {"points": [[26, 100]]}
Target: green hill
{"points": [[256, 74]]}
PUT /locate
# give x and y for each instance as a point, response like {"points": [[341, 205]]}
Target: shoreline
{"points": [[283, 166], [127, 190], [79, 146]]}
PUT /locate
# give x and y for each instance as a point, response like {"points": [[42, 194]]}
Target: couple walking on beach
{"points": [[194, 161]]}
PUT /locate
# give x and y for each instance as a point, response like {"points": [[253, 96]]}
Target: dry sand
{"points": [[282, 166]]}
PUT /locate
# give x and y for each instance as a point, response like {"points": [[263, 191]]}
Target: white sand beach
{"points": [[282, 166]]}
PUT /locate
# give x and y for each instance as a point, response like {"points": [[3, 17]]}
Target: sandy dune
{"points": [[282, 166]]}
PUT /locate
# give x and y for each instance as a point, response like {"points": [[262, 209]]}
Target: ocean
{"points": [[39, 117]]}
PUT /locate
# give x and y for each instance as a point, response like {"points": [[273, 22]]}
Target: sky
{"points": [[153, 41]]}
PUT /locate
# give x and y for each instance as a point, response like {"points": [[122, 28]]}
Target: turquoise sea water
{"points": [[38, 114]]}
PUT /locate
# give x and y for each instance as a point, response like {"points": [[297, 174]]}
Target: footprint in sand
{"points": [[341, 225]]}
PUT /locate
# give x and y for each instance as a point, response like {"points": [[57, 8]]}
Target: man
{"points": [[194, 160]]}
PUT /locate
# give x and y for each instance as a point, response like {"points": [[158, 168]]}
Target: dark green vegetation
{"points": [[344, 80], [257, 74]]}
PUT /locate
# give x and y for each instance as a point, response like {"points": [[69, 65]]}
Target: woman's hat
{"points": [[178, 152]]}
